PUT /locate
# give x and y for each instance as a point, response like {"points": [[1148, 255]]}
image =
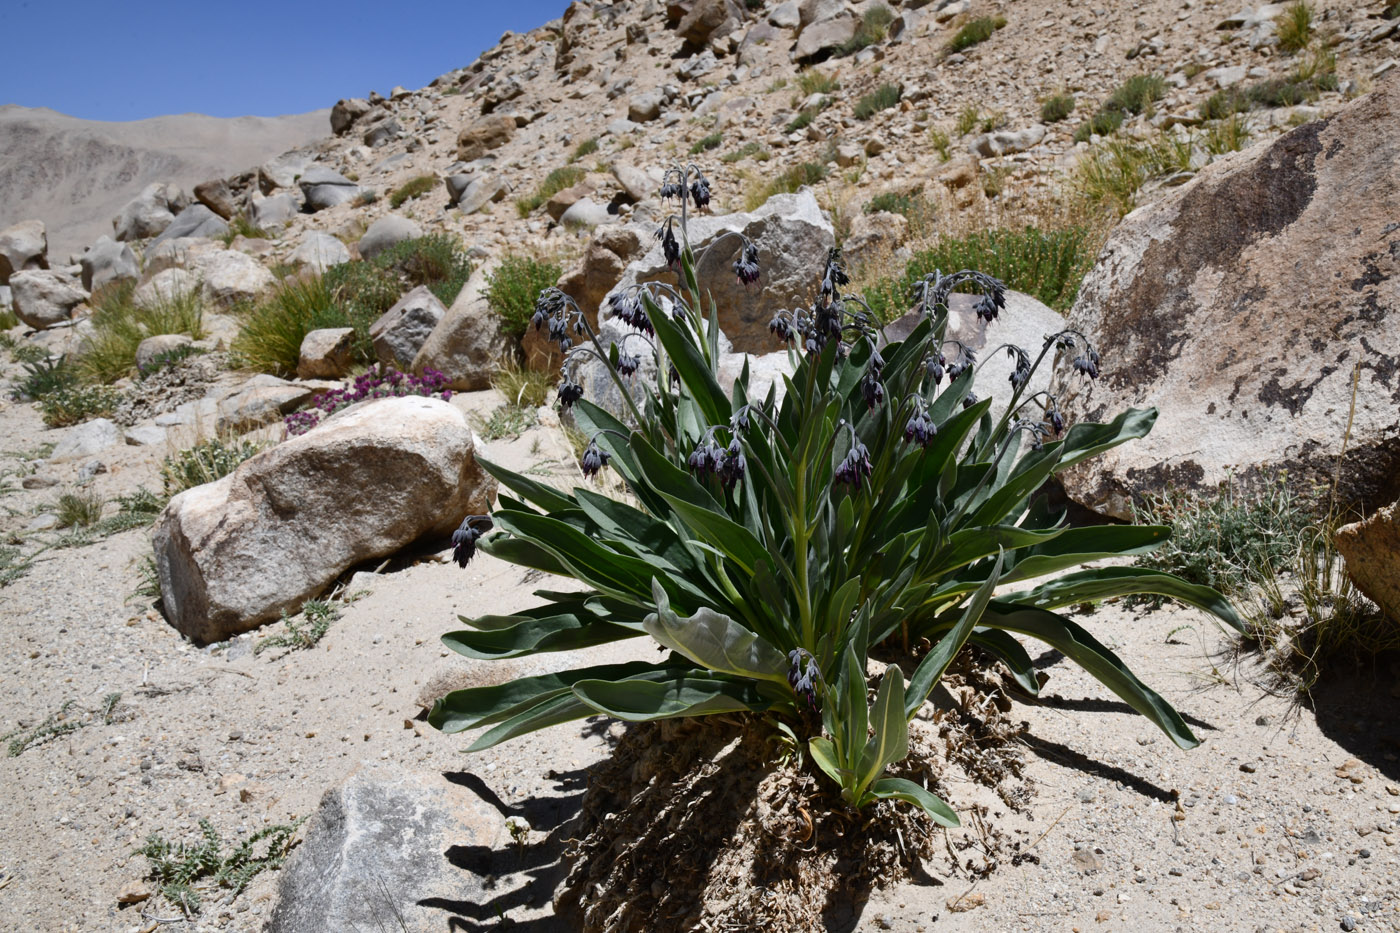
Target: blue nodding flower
{"points": [[746, 266], [732, 465], [569, 393], [933, 367], [594, 458], [465, 537], [871, 390], [1088, 363], [919, 429], [969, 400], [628, 364], [781, 327], [700, 193], [803, 676], [669, 247], [854, 469], [1055, 420], [706, 457]]}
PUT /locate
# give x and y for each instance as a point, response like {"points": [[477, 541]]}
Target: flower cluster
{"points": [[804, 676], [856, 467], [377, 382], [710, 459], [465, 537]]}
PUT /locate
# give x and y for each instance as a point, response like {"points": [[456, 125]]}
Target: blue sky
{"points": [[114, 60]]}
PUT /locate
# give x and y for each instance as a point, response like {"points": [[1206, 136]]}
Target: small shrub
{"points": [[205, 462], [803, 119], [812, 81], [46, 376], [750, 150], [515, 284], [1137, 94], [1224, 103], [79, 509], [508, 421], [941, 143], [1295, 27], [8, 320], [413, 188], [555, 182], [882, 98], [912, 205], [366, 197], [25, 352], [317, 617], [167, 360], [522, 387], [1227, 135], [977, 31], [968, 119], [177, 868], [377, 383], [585, 149], [13, 565], [119, 326], [873, 26], [706, 143], [1057, 108], [241, 226], [77, 404], [1113, 173]]}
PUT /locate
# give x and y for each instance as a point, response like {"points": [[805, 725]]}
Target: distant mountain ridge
{"points": [[75, 175]]}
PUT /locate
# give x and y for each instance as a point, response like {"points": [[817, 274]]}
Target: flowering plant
{"points": [[776, 543], [376, 382]]}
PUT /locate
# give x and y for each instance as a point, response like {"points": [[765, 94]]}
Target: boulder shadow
{"points": [[1360, 711]]}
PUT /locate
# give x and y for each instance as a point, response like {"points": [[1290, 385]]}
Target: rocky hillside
{"points": [[76, 174]]}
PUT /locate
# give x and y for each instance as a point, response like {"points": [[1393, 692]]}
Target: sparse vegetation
{"points": [[804, 118], [1056, 108], [940, 142], [79, 508], [205, 462], [1295, 27], [1227, 135], [181, 869], [515, 284], [555, 182], [46, 376], [874, 23], [76, 404], [882, 98], [413, 188], [241, 226], [813, 81], [968, 118], [788, 181], [119, 325], [912, 205], [975, 32], [585, 149], [1113, 173], [706, 143], [167, 360], [521, 386], [1313, 75], [749, 150], [54, 725], [508, 421], [13, 564], [1135, 96], [317, 616]]}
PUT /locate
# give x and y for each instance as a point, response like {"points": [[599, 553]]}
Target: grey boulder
{"points": [[346, 112], [586, 212], [1005, 142], [86, 439], [24, 246], [822, 37], [275, 210], [150, 212], [326, 353], [324, 187], [150, 350], [108, 262], [1371, 549], [385, 232], [319, 251], [401, 331], [278, 530], [283, 171], [44, 298], [194, 221], [468, 342]]}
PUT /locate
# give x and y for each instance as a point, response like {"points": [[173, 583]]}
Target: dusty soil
{"points": [[1284, 818]]}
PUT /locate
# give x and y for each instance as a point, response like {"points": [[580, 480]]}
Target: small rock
{"points": [[133, 892]]}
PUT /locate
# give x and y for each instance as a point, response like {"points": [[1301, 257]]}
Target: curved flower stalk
{"points": [[773, 545]]}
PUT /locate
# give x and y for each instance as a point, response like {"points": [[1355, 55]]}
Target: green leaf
{"points": [[537, 493], [824, 754], [677, 696], [1070, 547], [585, 558], [1079, 646], [551, 712], [523, 553], [690, 364], [931, 668], [483, 706], [555, 633], [1086, 439], [908, 791], [1109, 582], [1012, 654], [890, 743], [715, 641]]}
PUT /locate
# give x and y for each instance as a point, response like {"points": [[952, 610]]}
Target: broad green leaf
{"points": [[1012, 654], [556, 633], [1070, 547], [824, 754], [586, 559], [931, 668], [523, 553], [532, 491], [715, 641], [890, 743], [972, 544], [1085, 439], [675, 697], [551, 712], [1079, 646], [1108, 582], [483, 706], [690, 363], [908, 791]]}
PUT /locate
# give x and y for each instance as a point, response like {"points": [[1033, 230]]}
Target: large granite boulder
{"points": [[107, 263], [400, 332], [823, 37], [588, 283], [385, 232], [326, 353], [23, 246], [710, 19], [346, 111], [44, 298], [228, 277], [792, 234], [468, 343], [324, 187], [1240, 305], [284, 171], [1371, 549], [150, 212], [377, 855], [319, 251], [194, 221], [485, 134], [278, 530]]}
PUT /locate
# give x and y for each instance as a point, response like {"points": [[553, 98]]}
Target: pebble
{"points": [[1348, 924]]}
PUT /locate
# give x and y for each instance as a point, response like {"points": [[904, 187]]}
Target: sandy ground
{"points": [[1288, 818]]}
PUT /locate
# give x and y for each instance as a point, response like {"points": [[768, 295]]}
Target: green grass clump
{"points": [[515, 285], [1134, 96], [352, 294], [804, 118], [205, 462], [13, 565], [873, 26], [706, 143], [1227, 135], [508, 421], [523, 388], [179, 868], [8, 319], [811, 81], [882, 98], [413, 188], [941, 143], [968, 118], [1313, 75], [1057, 108], [1046, 264], [584, 149], [1113, 173], [977, 31], [79, 509], [76, 404], [241, 226], [555, 182], [119, 325], [750, 150], [46, 376], [1295, 27], [317, 617], [804, 173]]}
